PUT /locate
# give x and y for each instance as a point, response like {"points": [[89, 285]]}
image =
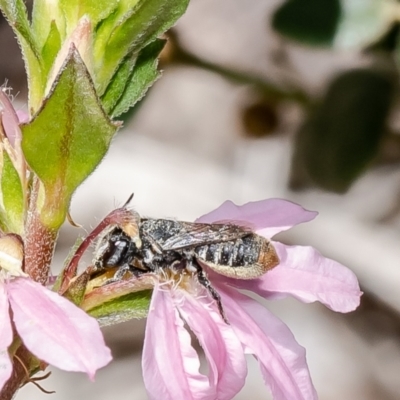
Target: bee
{"points": [[149, 245]]}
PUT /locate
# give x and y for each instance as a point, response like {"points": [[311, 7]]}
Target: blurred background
{"points": [[296, 99]]}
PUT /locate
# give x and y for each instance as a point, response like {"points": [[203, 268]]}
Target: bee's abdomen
{"points": [[248, 257], [236, 253]]}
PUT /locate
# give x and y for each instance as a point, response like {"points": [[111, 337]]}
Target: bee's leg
{"points": [[203, 280], [119, 274], [137, 271], [148, 256], [150, 259]]}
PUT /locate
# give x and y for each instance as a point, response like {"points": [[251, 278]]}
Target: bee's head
{"points": [[116, 249]]}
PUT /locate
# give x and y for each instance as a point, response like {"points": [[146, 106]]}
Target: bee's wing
{"points": [[194, 234], [243, 224]]}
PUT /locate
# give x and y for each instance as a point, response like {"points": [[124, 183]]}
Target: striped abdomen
{"points": [[244, 258]]}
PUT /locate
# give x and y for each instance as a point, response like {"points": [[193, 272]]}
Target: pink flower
{"points": [[10, 119], [170, 363], [51, 327]]}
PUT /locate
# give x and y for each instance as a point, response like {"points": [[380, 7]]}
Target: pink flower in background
{"points": [[171, 364], [50, 326]]}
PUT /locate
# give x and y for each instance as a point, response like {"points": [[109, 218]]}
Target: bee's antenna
{"points": [[128, 201]]}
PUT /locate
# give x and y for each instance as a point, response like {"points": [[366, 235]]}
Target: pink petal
{"points": [[170, 364], [308, 276], [228, 368], [23, 117], [266, 217], [9, 119], [5, 338], [55, 330], [281, 358]]}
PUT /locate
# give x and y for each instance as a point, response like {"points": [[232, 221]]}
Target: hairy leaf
{"points": [[118, 83], [140, 26], [96, 10], [50, 49], [13, 199], [144, 74], [130, 306], [67, 139], [44, 15], [16, 14], [118, 301]]}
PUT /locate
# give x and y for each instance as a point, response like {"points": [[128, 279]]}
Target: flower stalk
{"points": [[40, 240], [18, 377]]}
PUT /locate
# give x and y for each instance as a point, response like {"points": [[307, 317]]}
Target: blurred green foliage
{"points": [[343, 130], [345, 126], [308, 21], [341, 136]]}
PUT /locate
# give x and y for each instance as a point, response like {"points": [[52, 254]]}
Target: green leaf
{"points": [[312, 22], [141, 26], [67, 139], [50, 49], [76, 289], [13, 198], [44, 15], [16, 14], [118, 83], [130, 306], [144, 74], [343, 135], [96, 10], [108, 24], [118, 301]]}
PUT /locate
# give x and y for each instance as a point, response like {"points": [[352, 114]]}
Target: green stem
{"points": [[270, 89], [18, 376]]}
